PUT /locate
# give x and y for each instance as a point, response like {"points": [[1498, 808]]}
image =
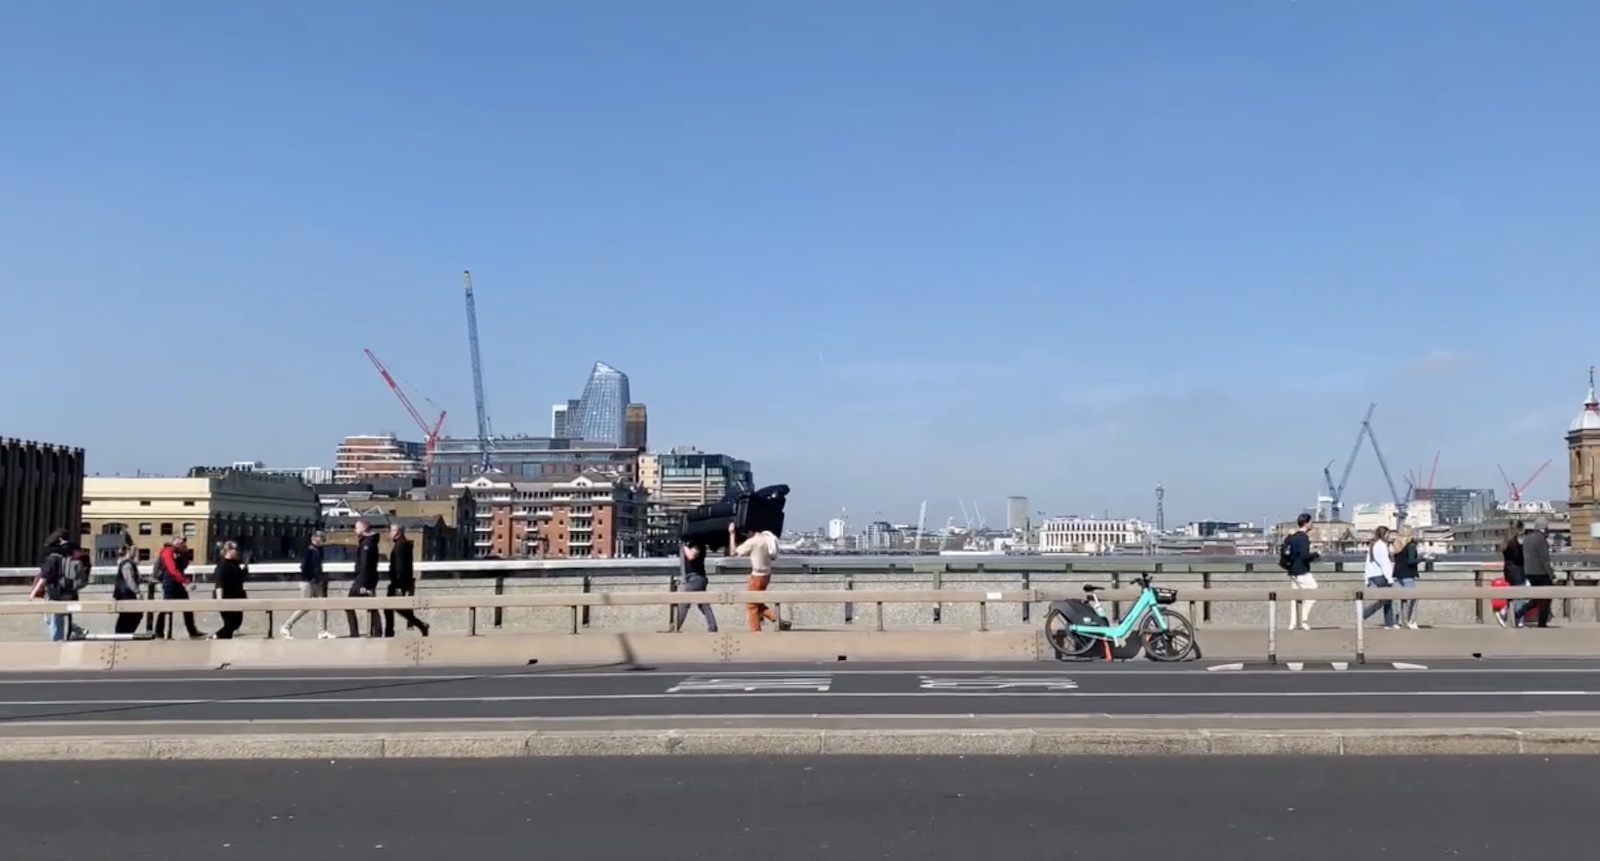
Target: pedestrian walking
{"points": [[172, 565], [693, 565], [313, 584], [365, 584], [1537, 568], [761, 547], [402, 580], [1380, 575], [1407, 570], [1295, 557], [231, 574], [126, 588], [57, 581], [1511, 556]]}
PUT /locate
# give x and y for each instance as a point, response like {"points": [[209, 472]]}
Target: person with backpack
{"points": [[1295, 557], [1380, 575], [57, 581], [126, 587], [171, 564]]}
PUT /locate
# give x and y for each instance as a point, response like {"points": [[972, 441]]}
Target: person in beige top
{"points": [[760, 547]]}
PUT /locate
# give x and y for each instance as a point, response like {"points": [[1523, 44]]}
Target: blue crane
{"points": [[1336, 491], [477, 375], [1399, 501]]}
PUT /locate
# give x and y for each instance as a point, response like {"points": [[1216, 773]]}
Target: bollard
{"points": [[472, 621]]}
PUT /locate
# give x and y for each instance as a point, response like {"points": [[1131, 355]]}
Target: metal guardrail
{"points": [[575, 602]]}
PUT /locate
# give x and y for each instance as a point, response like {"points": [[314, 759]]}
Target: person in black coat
{"points": [[1511, 556], [230, 575], [402, 580], [365, 584]]}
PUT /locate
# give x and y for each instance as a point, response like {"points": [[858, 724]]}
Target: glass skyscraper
{"points": [[601, 413]]}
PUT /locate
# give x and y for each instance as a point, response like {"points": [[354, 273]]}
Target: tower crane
{"points": [[1336, 491], [1400, 509], [477, 375], [1518, 489], [431, 435]]}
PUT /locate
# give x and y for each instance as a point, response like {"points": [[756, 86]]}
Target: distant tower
{"points": [[1583, 482], [1016, 513], [1161, 508]]}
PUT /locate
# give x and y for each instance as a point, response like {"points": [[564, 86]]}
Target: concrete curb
{"points": [[876, 742]]}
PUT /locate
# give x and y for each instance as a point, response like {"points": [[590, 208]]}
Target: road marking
{"points": [[1295, 666], [1400, 665], [1341, 665], [1219, 668], [749, 685], [996, 683]]}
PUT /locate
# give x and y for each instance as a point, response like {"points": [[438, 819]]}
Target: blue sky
{"points": [[889, 251]]}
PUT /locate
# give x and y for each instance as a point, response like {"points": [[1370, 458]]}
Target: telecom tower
{"points": [[1161, 509]]}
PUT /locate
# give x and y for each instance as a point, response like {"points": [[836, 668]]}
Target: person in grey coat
{"points": [[1536, 565]]}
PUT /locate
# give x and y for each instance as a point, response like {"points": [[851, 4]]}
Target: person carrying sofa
{"points": [[761, 547]]}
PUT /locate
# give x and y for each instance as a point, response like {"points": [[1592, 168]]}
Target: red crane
{"points": [[1518, 489], [432, 434]]}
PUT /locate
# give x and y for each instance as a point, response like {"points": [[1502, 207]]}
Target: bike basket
{"points": [[1165, 596]]}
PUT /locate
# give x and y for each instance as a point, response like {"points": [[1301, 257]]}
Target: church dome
{"points": [[1589, 419]]}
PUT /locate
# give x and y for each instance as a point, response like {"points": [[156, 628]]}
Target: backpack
{"points": [[60, 575], [1285, 554]]}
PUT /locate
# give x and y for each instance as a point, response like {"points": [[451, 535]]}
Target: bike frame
{"points": [[1141, 608]]}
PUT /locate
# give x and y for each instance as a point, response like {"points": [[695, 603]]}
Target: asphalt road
{"points": [[816, 690], [798, 809]]}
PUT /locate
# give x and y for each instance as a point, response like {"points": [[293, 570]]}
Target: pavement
{"points": [[800, 808]]}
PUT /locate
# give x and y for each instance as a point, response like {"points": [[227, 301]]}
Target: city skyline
{"points": [[887, 253]]}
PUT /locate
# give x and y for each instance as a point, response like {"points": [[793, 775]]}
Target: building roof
{"points": [[1589, 419]]}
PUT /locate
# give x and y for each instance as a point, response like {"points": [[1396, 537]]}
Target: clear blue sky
{"points": [[951, 250]]}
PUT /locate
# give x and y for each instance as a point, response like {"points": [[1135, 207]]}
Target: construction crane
{"points": [[431, 435], [1399, 501], [1416, 489], [1336, 491], [477, 375], [1518, 489]]}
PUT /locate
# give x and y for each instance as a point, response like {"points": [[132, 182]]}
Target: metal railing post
{"points": [[1272, 628], [499, 589], [1361, 630]]}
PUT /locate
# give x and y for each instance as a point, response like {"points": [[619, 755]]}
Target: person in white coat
{"points": [[1380, 575]]}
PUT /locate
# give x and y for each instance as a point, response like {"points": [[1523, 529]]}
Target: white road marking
{"points": [[1400, 665], [1296, 666], [1341, 665], [750, 685], [1219, 668], [995, 683]]}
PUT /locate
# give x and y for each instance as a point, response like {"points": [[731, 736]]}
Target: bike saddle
{"points": [[1091, 588]]}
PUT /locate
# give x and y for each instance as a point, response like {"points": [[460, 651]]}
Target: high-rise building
{"points": [[1583, 471], [837, 528], [601, 413], [41, 490], [558, 418], [636, 427], [529, 458], [377, 456], [1016, 513]]}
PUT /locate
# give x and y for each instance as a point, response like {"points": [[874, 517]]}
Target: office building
{"points": [[558, 418], [307, 474], [837, 528], [41, 490], [593, 515], [529, 458], [601, 413], [271, 516], [636, 427], [1583, 475], [1458, 505], [1090, 535], [687, 477], [379, 456], [1017, 513]]}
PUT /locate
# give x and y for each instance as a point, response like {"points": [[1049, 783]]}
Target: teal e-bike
{"points": [[1077, 628]]}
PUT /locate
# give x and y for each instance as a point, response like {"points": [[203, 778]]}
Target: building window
{"points": [[166, 529], [145, 503], [144, 554], [145, 529], [84, 528], [188, 503], [188, 530]]}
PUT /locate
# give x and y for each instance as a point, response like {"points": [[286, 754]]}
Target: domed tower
{"points": [[1583, 469]]}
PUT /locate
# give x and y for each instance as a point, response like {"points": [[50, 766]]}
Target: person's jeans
{"points": [[57, 626], [374, 618], [402, 590], [1386, 606], [1408, 609], [696, 583]]}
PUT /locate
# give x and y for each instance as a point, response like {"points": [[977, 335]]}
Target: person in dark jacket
{"points": [[402, 580], [56, 582], [230, 576], [313, 584], [1536, 566], [172, 565], [694, 580], [126, 587], [365, 584], [1407, 570], [1511, 558], [1296, 557]]}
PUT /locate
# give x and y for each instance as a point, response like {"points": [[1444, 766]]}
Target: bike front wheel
{"points": [[1176, 643], [1065, 642]]}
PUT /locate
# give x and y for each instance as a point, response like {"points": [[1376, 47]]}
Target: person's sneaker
{"points": [[327, 635], [1305, 626], [1411, 625], [1500, 616], [1391, 627], [285, 633], [785, 626]]}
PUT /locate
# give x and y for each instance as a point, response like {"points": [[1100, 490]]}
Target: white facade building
{"points": [[1090, 535]]}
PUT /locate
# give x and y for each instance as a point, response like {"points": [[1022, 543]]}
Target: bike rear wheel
{"points": [[1176, 643], [1065, 642]]}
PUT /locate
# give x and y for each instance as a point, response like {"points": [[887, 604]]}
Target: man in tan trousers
{"points": [[761, 547]]}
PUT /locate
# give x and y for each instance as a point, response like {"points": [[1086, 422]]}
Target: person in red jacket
{"points": [[171, 564]]}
